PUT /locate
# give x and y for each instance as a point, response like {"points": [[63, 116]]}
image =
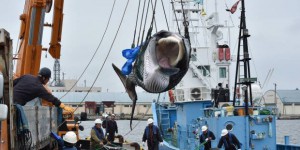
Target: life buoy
{"points": [[171, 96], [221, 53], [227, 54]]}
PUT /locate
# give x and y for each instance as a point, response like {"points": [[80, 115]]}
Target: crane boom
{"points": [[31, 34]]}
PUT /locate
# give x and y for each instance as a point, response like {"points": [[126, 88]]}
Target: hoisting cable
{"points": [[137, 18], [140, 119], [141, 23], [104, 59], [145, 23], [173, 7], [151, 24], [185, 23], [186, 28], [153, 9], [163, 6], [108, 22]]}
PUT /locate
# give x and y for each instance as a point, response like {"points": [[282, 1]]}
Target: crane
{"points": [[28, 62]]}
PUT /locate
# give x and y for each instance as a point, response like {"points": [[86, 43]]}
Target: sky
{"points": [[273, 25]]}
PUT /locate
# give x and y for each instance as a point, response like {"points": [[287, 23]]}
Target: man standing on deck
{"points": [[112, 128], [229, 141], [29, 87], [206, 137], [97, 136], [152, 135]]}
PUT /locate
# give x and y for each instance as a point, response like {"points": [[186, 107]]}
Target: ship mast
{"points": [[246, 81]]}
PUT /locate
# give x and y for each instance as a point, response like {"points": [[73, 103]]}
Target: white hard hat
{"points": [[104, 115], [150, 120], [98, 121], [224, 132], [70, 137], [204, 128], [113, 115]]}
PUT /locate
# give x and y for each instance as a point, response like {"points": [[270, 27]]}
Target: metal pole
{"points": [[275, 99]]}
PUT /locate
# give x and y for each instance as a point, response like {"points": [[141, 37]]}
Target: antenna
{"points": [[56, 69], [247, 80]]}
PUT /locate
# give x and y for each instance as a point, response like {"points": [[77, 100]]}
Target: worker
{"points": [[28, 87], [104, 119], [112, 128], [152, 135], [97, 136], [206, 137], [229, 141], [70, 140]]}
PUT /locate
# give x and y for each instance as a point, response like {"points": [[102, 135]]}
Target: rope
{"points": [[163, 6], [175, 16], [145, 23], [137, 18], [16, 51], [108, 22], [106, 55], [104, 59], [137, 122], [141, 22], [185, 23], [153, 17], [229, 12]]}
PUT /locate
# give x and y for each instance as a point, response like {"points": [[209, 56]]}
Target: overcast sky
{"points": [[273, 24]]}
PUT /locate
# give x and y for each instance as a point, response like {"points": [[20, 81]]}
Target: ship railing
{"points": [[238, 111]]}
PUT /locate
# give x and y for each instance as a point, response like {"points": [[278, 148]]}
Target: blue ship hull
{"points": [[180, 125]]}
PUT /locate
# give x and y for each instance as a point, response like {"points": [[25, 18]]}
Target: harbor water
{"points": [[289, 128]]}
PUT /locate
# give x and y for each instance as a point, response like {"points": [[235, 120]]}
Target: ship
{"points": [[205, 98]]}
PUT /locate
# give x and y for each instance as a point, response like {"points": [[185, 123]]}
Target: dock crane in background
{"points": [[268, 77], [28, 62]]}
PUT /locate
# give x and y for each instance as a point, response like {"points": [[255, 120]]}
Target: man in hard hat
{"points": [[97, 136], [206, 137], [70, 140], [112, 128], [29, 87], [229, 141], [152, 135]]}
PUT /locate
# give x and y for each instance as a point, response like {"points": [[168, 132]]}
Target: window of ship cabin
{"points": [[205, 70], [222, 72]]}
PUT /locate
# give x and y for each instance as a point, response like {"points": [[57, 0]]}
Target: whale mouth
{"points": [[169, 51]]}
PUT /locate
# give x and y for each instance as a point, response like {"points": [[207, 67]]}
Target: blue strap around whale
{"points": [[130, 55]]}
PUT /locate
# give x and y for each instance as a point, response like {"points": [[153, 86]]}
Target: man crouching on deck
{"points": [[97, 136]]}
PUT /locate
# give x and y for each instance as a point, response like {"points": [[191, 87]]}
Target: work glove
{"points": [[206, 139], [161, 143], [66, 108]]}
